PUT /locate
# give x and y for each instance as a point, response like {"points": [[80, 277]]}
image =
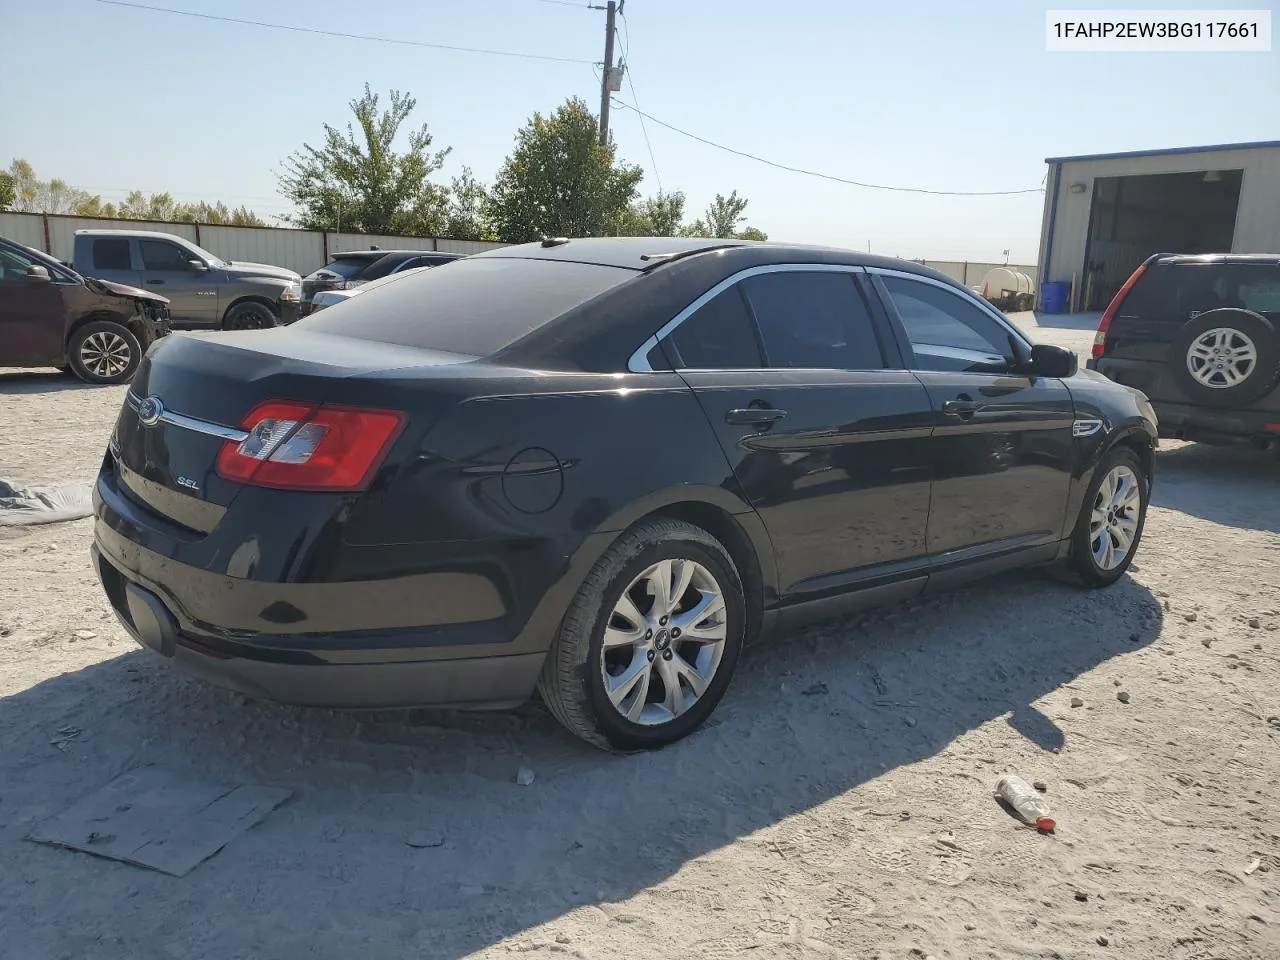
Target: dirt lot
{"points": [[852, 819]]}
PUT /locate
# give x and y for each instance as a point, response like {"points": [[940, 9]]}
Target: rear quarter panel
{"points": [[531, 487]]}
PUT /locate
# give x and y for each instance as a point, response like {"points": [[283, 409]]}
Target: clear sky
{"points": [[943, 94]]}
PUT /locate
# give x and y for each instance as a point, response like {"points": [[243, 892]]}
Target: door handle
{"points": [[962, 409], [755, 416], [152, 283]]}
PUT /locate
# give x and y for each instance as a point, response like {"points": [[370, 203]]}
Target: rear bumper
{"points": [[342, 672], [1189, 421]]}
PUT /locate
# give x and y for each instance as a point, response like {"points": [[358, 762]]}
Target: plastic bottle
{"points": [[1028, 804]]}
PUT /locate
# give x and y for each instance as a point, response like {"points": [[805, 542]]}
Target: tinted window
{"points": [[813, 320], [380, 268], [14, 266], [1202, 287], [718, 336], [162, 256], [111, 253], [476, 307], [349, 267], [946, 331]]}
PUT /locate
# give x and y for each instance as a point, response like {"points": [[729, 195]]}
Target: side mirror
{"points": [[198, 266], [39, 274], [1048, 360]]}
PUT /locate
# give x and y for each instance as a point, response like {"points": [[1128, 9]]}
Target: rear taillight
{"points": [[302, 446], [1109, 314]]}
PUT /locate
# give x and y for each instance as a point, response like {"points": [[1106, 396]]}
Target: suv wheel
{"points": [[249, 316], [649, 644], [1227, 357], [103, 351]]}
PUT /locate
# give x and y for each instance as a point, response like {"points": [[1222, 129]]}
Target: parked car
{"points": [[204, 291], [330, 298], [1200, 335], [50, 316], [598, 467], [348, 271]]}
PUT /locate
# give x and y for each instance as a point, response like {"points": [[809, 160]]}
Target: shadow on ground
{"points": [[1067, 321], [43, 381], [330, 874], [1237, 486]]}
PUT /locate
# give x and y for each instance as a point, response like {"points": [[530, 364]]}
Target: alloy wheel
{"points": [[105, 354], [1222, 357], [663, 642], [1113, 525]]}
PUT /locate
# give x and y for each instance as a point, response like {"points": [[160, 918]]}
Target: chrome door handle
{"points": [[755, 416]]}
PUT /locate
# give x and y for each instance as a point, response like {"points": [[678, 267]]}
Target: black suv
{"points": [[1199, 336], [346, 270]]}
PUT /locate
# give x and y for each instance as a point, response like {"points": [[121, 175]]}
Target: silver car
{"points": [[328, 298]]}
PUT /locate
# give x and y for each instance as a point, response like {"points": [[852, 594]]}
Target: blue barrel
{"points": [[1053, 296]]}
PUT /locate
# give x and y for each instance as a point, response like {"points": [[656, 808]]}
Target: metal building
{"points": [[1105, 213]]}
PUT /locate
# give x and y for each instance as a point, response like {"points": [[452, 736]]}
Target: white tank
{"points": [[1005, 283]]}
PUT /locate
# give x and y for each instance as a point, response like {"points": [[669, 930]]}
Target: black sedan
{"points": [[597, 468]]}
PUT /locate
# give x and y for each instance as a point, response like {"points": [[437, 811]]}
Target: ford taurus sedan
{"points": [[597, 468]]}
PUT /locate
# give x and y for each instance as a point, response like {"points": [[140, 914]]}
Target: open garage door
{"points": [[1134, 217]]}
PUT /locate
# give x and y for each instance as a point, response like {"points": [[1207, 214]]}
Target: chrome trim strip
{"points": [[639, 360], [1085, 427], [191, 423]]}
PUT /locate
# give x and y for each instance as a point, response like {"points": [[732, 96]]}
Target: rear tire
{"points": [[1114, 509], [104, 352], [250, 315], [616, 696]]}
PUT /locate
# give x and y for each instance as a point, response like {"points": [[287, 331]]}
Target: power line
{"points": [[825, 176], [346, 36], [626, 61]]}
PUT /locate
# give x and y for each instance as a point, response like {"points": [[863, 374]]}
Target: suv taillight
{"points": [[302, 446], [1109, 314]]}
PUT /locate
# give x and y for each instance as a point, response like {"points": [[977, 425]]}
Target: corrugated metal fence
{"points": [[300, 250], [307, 250]]}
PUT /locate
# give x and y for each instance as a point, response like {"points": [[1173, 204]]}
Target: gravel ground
{"points": [[838, 806]]}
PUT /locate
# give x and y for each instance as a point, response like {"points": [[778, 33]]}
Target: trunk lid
{"points": [[203, 385]]}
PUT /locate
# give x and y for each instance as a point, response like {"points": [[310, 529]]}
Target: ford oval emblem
{"points": [[150, 411]]}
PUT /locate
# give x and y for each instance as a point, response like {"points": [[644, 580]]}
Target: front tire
{"points": [[651, 640], [104, 352], [1112, 516], [250, 315]]}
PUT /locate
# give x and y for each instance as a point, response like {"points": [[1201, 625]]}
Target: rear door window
{"points": [[476, 307], [111, 253], [814, 320]]}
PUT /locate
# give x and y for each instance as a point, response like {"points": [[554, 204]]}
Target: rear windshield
{"points": [[348, 267], [471, 306], [380, 268]]}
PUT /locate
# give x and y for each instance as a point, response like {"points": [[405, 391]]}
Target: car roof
{"points": [[650, 253], [156, 234], [379, 254]]}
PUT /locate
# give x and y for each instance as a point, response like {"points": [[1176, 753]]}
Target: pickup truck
{"points": [[204, 291]]}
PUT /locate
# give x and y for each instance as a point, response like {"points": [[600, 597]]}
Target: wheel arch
{"points": [[723, 515], [250, 298]]}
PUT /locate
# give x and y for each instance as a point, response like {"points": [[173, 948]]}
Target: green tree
{"points": [[8, 192], [358, 181], [33, 195], [724, 214], [560, 181], [467, 199], [752, 233]]}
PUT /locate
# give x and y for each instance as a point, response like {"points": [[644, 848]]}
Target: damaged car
{"points": [[51, 316]]}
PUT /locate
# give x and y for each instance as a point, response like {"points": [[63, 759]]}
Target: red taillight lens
{"points": [[301, 446], [1109, 314]]}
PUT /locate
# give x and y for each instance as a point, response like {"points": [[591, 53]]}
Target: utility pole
{"points": [[611, 12]]}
